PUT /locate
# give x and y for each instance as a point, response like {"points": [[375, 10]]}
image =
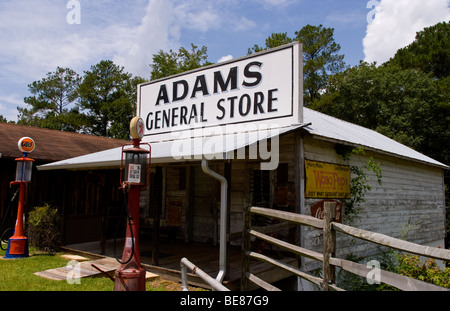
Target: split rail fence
{"points": [[330, 262]]}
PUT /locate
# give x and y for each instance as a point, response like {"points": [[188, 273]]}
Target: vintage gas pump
{"points": [[135, 174], [18, 243]]}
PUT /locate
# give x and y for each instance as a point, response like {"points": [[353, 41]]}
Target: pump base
{"points": [[130, 279], [17, 248]]}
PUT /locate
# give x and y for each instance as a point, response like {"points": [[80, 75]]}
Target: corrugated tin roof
{"points": [[330, 128], [51, 145], [320, 125]]}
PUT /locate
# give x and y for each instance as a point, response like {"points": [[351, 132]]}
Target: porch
{"points": [[203, 255]]}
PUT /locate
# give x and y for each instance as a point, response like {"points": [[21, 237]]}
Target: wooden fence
{"points": [[328, 258]]}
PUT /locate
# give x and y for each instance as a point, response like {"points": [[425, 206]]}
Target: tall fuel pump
{"points": [[18, 243], [135, 174]]}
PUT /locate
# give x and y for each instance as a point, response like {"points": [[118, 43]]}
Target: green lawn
{"points": [[18, 275]]}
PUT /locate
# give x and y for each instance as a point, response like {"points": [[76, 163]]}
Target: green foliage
{"points": [[274, 40], [106, 96], [352, 282], [51, 105], [430, 52], [102, 102], [170, 63], [424, 270], [43, 230], [405, 264], [407, 105], [359, 183], [320, 57]]}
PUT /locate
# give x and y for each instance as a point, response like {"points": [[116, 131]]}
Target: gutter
{"points": [[223, 219]]}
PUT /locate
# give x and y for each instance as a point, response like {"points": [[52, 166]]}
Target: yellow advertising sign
{"points": [[327, 180]]}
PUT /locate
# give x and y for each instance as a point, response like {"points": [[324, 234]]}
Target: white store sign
{"points": [[259, 88]]}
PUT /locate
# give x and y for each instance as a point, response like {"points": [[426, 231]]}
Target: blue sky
{"points": [[38, 36]]}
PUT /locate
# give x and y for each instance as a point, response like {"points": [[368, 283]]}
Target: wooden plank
{"points": [[399, 281], [288, 216], [381, 239], [329, 244], [293, 248], [51, 275], [246, 243], [306, 276], [274, 228], [390, 278], [84, 269], [261, 283]]}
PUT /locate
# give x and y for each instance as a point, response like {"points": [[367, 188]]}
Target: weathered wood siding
{"points": [[409, 204]]}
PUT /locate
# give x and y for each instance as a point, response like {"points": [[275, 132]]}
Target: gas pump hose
{"points": [[125, 208]]}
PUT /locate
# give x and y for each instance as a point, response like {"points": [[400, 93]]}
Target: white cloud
{"points": [[276, 3], [225, 58], [35, 36], [396, 23], [134, 47], [8, 104]]}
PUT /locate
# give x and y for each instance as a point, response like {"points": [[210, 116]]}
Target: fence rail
{"points": [[328, 259]]}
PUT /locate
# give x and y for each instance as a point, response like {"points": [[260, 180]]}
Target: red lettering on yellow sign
{"points": [[327, 180]]}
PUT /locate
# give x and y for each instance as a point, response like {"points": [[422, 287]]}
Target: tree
{"points": [[106, 95], [406, 105], [320, 57], [171, 63], [51, 100], [274, 40], [430, 52]]}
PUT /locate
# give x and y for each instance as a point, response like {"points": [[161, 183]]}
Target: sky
{"points": [[38, 36]]}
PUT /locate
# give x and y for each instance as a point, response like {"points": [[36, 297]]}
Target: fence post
{"points": [[246, 243], [329, 244]]}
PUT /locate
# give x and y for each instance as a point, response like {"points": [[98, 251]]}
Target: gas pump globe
{"points": [[134, 159], [24, 165], [135, 174], [18, 243]]}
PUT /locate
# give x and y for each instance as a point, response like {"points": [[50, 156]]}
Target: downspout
{"points": [[223, 219]]}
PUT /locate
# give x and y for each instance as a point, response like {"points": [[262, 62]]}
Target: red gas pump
{"points": [[135, 174], [18, 243]]}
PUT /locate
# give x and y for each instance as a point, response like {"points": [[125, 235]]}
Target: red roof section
{"points": [[52, 145]]}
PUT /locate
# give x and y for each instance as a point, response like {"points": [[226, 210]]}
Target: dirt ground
{"points": [[170, 286]]}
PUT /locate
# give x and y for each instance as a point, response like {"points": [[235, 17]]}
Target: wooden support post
{"points": [[227, 175], [157, 214], [246, 244], [329, 244]]}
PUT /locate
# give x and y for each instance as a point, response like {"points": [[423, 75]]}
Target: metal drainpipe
{"points": [[223, 219]]}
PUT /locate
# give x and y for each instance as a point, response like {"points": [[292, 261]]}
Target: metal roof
{"points": [[215, 147], [330, 128], [319, 125]]}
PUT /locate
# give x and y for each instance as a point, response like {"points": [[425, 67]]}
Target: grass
{"points": [[18, 275]]}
